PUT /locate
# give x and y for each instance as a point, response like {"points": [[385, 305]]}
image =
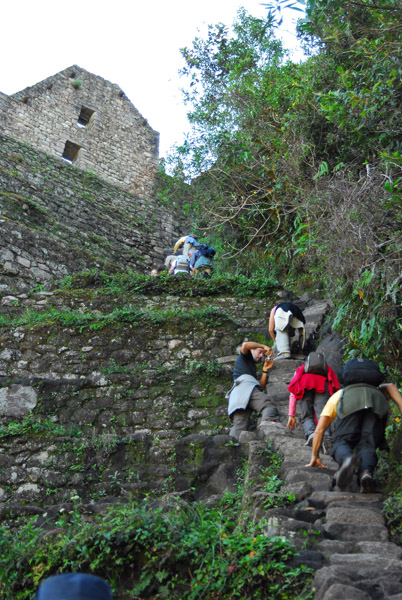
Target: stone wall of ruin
{"points": [[91, 121], [56, 220]]}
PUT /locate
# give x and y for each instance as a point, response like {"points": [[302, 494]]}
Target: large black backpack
{"points": [[362, 370]]}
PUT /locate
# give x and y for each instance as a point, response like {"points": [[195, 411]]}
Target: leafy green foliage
{"points": [[258, 285], [239, 94], [167, 552], [372, 323], [119, 316], [363, 101], [393, 515], [32, 425]]}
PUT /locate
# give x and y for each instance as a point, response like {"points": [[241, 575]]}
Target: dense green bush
{"points": [[171, 551]]}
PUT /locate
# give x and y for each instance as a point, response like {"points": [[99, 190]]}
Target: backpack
{"points": [[202, 248], [182, 265], [362, 370], [316, 364], [202, 263]]}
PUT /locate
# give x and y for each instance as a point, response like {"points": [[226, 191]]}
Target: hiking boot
{"points": [[309, 440], [326, 445], [367, 485], [345, 474]]}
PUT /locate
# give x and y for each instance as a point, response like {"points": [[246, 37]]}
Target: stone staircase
{"points": [[340, 534]]}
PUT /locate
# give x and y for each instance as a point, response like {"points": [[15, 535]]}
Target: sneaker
{"points": [[367, 485], [309, 440], [345, 474], [326, 445], [283, 355]]}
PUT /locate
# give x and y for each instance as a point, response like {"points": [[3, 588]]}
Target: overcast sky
{"points": [[133, 43]]}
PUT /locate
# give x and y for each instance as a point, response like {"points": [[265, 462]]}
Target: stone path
{"points": [[341, 535]]}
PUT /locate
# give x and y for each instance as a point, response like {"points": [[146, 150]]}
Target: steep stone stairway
{"points": [[340, 534], [103, 423]]}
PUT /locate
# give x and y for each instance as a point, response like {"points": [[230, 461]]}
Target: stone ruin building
{"points": [[79, 183], [87, 121]]}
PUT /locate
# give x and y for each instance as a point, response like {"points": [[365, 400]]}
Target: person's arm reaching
{"points": [[390, 390], [322, 425], [246, 346], [178, 244], [271, 324], [292, 412], [268, 364]]}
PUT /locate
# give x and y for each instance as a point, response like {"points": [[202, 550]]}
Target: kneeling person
{"points": [[247, 393]]}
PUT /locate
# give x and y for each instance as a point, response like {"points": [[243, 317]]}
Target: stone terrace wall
{"points": [[56, 220], [108, 135], [134, 406], [126, 408]]}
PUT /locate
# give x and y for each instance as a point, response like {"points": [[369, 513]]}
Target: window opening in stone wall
{"points": [[71, 151], [85, 116]]}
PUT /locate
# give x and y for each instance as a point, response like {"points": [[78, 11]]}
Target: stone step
{"points": [[375, 583], [324, 499], [376, 561], [343, 582], [383, 548], [318, 478], [356, 515], [356, 532], [281, 525]]}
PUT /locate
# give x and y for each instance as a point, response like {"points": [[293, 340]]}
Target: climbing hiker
{"points": [[360, 412], [74, 586], [169, 260], [312, 384], [247, 393], [181, 266], [284, 319], [202, 260], [187, 242]]}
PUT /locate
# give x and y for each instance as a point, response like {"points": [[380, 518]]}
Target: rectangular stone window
{"points": [[71, 152], [85, 116]]}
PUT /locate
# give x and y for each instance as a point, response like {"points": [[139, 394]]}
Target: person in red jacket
{"points": [[313, 391]]}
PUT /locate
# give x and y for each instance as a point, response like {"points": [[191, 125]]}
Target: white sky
{"points": [[133, 43]]}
